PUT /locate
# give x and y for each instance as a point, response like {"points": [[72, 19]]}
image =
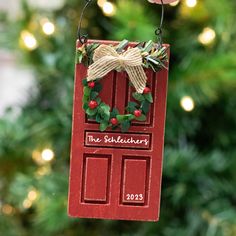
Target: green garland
{"points": [[153, 57]]}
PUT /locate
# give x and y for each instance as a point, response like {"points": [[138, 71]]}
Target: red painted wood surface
{"points": [[114, 175]]}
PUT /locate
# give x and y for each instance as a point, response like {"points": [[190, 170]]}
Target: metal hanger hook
{"points": [[159, 30], [84, 37]]}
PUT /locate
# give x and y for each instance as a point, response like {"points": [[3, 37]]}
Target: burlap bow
{"points": [[106, 59]]}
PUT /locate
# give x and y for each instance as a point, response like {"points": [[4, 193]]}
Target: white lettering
{"points": [[94, 140], [120, 140]]}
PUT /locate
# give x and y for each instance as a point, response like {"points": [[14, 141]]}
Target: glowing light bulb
{"points": [[108, 9], [187, 103], [207, 36], [48, 28], [173, 4], [101, 3], [27, 203], [47, 154], [29, 40], [191, 3], [7, 209], [32, 195]]}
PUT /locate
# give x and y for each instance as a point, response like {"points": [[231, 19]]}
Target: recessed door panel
{"points": [[96, 179]]}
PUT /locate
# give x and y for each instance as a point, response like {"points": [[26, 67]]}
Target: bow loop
{"points": [[106, 59]]}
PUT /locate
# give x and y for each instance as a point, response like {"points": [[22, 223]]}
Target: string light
{"points": [[191, 3], [32, 195], [47, 155], [173, 4], [187, 103], [43, 157], [27, 203], [48, 28], [29, 200], [207, 36], [108, 9], [101, 3], [29, 40], [7, 209], [36, 156]]}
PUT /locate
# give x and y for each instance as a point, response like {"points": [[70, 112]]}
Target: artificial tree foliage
{"points": [[198, 193]]}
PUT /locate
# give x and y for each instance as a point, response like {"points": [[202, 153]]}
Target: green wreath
{"points": [[153, 57]]}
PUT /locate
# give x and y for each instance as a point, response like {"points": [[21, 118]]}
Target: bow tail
{"points": [[137, 77], [98, 70]]}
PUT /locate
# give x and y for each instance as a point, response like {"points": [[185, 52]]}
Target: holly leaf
{"points": [[85, 106], [132, 106], [91, 112], [138, 96], [98, 100], [141, 118], [97, 88], [85, 99], [125, 126], [131, 117], [114, 112], [85, 82], [87, 91], [103, 126], [98, 118], [122, 118], [104, 111], [148, 97], [93, 95], [145, 106]]}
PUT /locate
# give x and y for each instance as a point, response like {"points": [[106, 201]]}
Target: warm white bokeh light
{"points": [[207, 36], [191, 3], [48, 28], [29, 40], [32, 195], [101, 3], [27, 203], [108, 9], [47, 154], [7, 209], [187, 103]]}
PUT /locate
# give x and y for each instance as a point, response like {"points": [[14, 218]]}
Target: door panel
{"points": [[135, 175], [115, 175], [96, 183]]}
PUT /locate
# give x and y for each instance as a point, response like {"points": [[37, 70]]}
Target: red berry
{"points": [[114, 121], [93, 104], [146, 90], [137, 113], [91, 84]]}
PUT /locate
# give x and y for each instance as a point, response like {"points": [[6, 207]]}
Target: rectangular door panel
{"points": [[96, 179], [135, 176]]}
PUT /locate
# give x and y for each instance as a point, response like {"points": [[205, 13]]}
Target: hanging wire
{"points": [[159, 30], [83, 38]]}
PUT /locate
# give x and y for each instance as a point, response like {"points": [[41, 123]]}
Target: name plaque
{"points": [[97, 139]]}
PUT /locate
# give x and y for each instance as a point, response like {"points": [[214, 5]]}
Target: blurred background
{"points": [[37, 49]]}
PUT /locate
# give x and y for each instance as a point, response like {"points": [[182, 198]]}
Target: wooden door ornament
{"points": [[118, 129]]}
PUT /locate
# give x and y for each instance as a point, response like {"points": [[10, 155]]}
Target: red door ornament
{"points": [[118, 130]]}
